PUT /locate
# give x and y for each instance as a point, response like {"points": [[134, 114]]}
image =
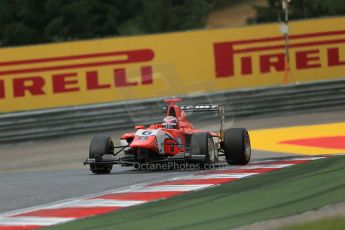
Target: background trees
{"points": [[300, 9], [42, 21]]}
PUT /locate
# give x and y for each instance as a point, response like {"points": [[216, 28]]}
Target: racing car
{"points": [[173, 140]]}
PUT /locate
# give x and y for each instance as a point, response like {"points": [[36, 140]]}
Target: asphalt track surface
{"points": [[37, 173]]}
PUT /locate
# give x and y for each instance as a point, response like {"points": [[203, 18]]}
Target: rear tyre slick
{"points": [[100, 146], [237, 146]]}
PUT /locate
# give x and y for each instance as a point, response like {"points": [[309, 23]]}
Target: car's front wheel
{"points": [[100, 146]]}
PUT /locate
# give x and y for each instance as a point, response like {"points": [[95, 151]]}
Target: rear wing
{"points": [[205, 108], [197, 108]]}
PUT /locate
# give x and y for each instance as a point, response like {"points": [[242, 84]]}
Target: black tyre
{"points": [[207, 148], [237, 146], [101, 145]]}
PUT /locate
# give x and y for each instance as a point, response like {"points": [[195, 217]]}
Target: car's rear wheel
{"points": [[100, 146], [206, 148], [237, 146]]}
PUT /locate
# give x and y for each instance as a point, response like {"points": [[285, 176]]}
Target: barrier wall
{"points": [[107, 70]]}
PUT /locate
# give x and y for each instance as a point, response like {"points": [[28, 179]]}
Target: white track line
{"points": [[39, 221], [222, 175], [273, 166], [304, 158], [213, 176], [172, 188], [96, 203]]}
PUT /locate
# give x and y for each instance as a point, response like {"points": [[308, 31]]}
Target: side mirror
{"points": [[139, 127]]}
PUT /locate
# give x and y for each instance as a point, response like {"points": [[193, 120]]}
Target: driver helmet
{"points": [[170, 122]]}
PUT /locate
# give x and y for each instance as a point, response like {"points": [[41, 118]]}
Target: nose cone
{"points": [[144, 142]]}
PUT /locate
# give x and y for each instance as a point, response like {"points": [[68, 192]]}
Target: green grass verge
{"points": [[334, 223], [272, 195]]}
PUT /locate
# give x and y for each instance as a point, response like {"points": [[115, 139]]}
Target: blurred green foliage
{"points": [[43, 21], [299, 9]]}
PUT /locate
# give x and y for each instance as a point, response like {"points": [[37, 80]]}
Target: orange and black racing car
{"points": [[173, 140]]}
